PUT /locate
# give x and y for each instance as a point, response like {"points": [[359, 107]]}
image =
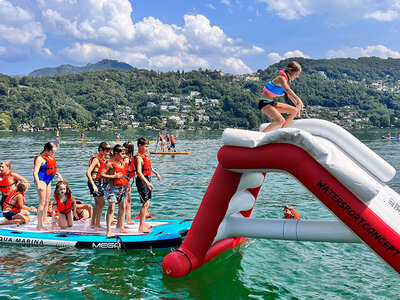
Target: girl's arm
{"points": [[292, 96], [75, 215], [156, 173], [20, 201], [18, 177], [89, 173], [38, 163]]}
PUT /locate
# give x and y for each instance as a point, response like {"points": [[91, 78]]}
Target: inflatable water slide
{"points": [[343, 173]]}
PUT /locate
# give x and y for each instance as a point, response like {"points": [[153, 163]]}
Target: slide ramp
{"points": [[344, 174]]}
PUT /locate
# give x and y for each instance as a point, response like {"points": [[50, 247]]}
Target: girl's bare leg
{"points": [[42, 208], [275, 114]]}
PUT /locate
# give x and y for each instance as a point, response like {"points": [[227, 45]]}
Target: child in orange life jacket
{"points": [[83, 211], [95, 183], [131, 173], [64, 205], [143, 180], [115, 172], [278, 87], [15, 210], [8, 180], [45, 168], [290, 213], [173, 143]]}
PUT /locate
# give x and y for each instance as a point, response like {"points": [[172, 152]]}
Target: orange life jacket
{"points": [[119, 169], [172, 140], [14, 207], [61, 207], [5, 185], [51, 164], [293, 215], [102, 165], [131, 170], [146, 169]]}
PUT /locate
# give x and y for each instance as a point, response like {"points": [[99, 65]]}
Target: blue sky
{"points": [[234, 36]]}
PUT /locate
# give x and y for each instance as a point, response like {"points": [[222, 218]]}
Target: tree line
{"points": [[85, 99]]}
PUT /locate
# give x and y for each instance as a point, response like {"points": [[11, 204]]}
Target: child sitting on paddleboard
{"points": [[278, 87], [8, 180], [15, 210], [64, 205], [143, 180]]}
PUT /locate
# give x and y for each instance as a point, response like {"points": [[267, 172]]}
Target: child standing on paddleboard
{"points": [[278, 87], [45, 168], [115, 172], [95, 183], [143, 180]]}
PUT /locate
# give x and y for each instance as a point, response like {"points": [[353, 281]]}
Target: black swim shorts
{"points": [[99, 185], [9, 214], [143, 189], [264, 102]]}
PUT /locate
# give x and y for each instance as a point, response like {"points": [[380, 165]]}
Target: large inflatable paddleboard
{"points": [[165, 234]]}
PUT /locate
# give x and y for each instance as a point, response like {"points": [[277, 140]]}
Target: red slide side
{"points": [[380, 237]]}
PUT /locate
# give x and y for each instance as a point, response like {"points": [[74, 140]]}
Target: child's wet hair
{"points": [[7, 163], [22, 186], [130, 148], [48, 146], [118, 149], [58, 185], [143, 141], [104, 146]]}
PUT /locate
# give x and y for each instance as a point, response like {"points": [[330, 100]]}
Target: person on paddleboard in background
{"points": [[95, 183], [290, 213], [14, 209], [45, 168], [115, 172], [173, 143], [82, 136], [167, 139], [64, 206], [143, 181], [163, 142], [8, 180], [278, 87], [131, 173]]}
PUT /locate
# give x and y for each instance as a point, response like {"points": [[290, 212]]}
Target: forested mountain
{"points": [[105, 64], [122, 99]]}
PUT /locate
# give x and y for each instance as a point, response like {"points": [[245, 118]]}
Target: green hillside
{"points": [[357, 92], [105, 64]]}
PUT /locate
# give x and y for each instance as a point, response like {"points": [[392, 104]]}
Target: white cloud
{"points": [[274, 57], [379, 15], [226, 2], [197, 44], [355, 52], [211, 6], [19, 32], [235, 65], [104, 21], [335, 10], [89, 30]]}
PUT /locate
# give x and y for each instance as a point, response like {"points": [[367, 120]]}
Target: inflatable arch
{"points": [[344, 174]]}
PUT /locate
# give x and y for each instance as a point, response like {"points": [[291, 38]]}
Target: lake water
{"points": [[258, 269]]}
